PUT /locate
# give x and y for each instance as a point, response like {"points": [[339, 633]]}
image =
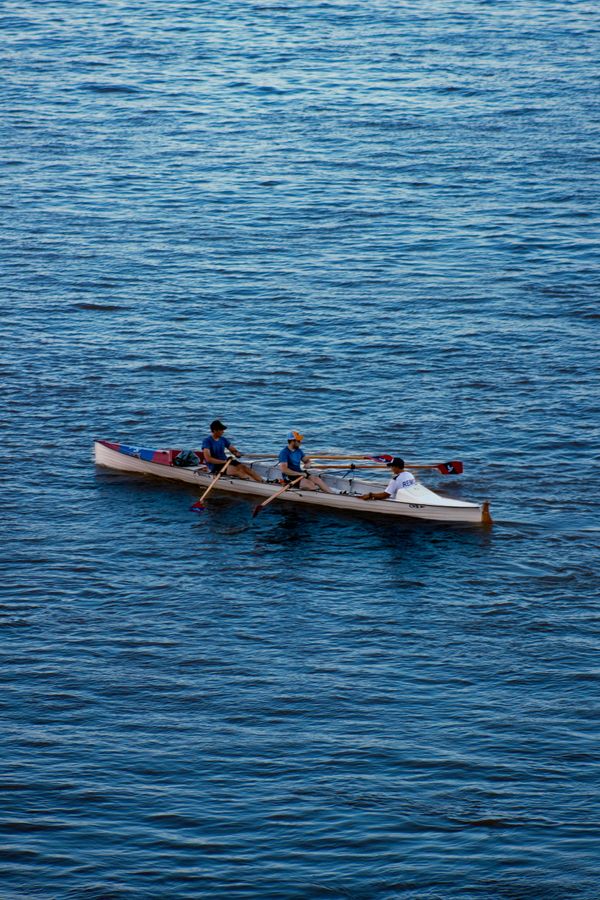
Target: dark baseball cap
{"points": [[217, 426], [396, 463]]}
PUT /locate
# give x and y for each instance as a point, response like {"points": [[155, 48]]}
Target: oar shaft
{"points": [[282, 490], [286, 487], [376, 466], [312, 454], [214, 481], [373, 466], [316, 455], [453, 468]]}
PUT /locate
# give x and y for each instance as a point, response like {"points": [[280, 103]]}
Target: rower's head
{"points": [[396, 465], [295, 438], [217, 427]]}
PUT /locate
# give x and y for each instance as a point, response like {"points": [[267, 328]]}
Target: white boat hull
{"points": [[415, 503]]}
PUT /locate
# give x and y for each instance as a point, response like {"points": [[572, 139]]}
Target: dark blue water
{"points": [[375, 223]]}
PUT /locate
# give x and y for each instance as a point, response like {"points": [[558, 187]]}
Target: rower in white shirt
{"points": [[401, 480]]}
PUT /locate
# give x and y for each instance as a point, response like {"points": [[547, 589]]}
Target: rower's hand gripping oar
{"points": [[199, 506], [270, 499]]}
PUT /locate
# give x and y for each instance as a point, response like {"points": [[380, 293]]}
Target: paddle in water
{"points": [[199, 506]]}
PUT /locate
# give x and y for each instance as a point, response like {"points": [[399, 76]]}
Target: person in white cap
{"points": [[401, 480], [293, 462]]}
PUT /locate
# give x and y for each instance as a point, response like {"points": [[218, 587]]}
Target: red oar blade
{"points": [[256, 510], [383, 457], [198, 506], [454, 467]]}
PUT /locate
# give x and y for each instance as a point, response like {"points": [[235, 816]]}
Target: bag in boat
{"points": [[186, 458]]}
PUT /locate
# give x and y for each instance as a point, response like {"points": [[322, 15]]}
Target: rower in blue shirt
{"points": [[293, 462], [213, 450]]}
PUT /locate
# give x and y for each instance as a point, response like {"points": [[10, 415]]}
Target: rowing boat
{"points": [[416, 502]]}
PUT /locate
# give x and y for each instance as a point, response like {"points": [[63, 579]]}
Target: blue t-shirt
{"points": [[216, 447], [292, 458]]}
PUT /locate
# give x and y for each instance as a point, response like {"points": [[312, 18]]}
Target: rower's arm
{"points": [[211, 459]]}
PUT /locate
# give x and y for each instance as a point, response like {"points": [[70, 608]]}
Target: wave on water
{"points": [[375, 224], [100, 307]]}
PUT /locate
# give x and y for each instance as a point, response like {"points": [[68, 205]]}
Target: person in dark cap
{"points": [[401, 480], [213, 450], [293, 462]]}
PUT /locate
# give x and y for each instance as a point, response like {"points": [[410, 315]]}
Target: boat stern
{"points": [[486, 518]]}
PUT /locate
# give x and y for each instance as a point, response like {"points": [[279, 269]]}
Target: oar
{"points": [[339, 456], [313, 455], [379, 457], [286, 487], [198, 506], [455, 467]]}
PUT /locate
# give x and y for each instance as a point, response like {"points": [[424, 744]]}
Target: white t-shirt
{"points": [[403, 480]]}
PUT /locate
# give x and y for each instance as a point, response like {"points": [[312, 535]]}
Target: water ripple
{"points": [[375, 225]]}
